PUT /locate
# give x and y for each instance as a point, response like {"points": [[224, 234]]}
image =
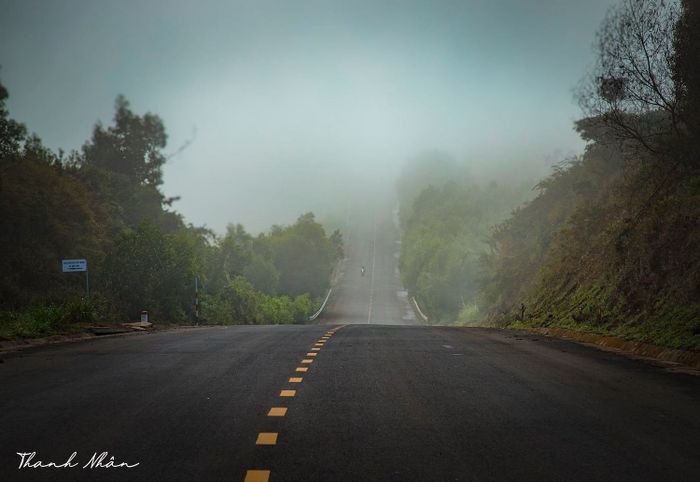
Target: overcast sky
{"points": [[291, 100]]}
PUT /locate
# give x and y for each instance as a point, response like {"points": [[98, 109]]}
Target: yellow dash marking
{"points": [[307, 360], [315, 349], [266, 438], [311, 354], [288, 393], [277, 412], [295, 380], [302, 369], [320, 343], [257, 476]]}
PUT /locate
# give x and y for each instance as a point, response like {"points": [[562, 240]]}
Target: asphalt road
{"points": [[378, 402], [372, 242]]}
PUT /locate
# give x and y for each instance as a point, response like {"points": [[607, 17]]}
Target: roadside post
{"points": [[196, 300], [78, 265]]}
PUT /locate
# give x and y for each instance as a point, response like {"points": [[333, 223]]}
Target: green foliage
{"points": [[304, 256], [430, 168], [276, 277], [262, 274], [12, 133], [445, 234], [46, 214], [604, 248], [470, 315], [46, 319], [132, 147], [240, 302], [612, 243], [104, 204], [148, 269]]}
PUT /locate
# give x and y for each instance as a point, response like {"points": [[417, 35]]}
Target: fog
{"points": [[286, 107]]}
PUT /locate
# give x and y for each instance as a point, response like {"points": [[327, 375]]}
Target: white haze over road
{"points": [[296, 104]]}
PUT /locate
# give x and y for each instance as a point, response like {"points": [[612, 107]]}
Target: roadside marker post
{"points": [[196, 300]]}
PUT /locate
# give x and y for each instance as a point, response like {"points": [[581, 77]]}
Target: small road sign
{"points": [[71, 265]]}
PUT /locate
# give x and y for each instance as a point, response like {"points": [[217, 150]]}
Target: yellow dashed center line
{"points": [[270, 438], [266, 438], [257, 476]]}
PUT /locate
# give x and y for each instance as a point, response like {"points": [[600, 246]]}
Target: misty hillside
{"points": [[611, 241]]}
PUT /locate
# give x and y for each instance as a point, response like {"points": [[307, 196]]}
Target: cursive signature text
{"points": [[97, 461]]}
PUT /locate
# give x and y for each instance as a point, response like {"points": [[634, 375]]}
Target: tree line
{"points": [[104, 204], [611, 240]]}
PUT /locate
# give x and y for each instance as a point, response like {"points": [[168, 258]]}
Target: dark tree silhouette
{"points": [[632, 88]]}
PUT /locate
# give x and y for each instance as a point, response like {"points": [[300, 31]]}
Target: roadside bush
{"points": [[239, 302], [46, 319]]}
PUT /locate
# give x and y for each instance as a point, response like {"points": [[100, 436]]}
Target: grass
{"points": [[46, 319], [678, 328]]}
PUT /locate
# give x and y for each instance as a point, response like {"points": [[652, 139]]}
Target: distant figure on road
{"points": [[362, 271]]}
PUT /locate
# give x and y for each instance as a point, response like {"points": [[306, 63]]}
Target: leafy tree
{"points": [[304, 257], [632, 87], [262, 274], [336, 240], [687, 77], [148, 269], [132, 146], [123, 165], [46, 215], [12, 133]]}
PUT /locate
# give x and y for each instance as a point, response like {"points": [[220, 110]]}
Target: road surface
{"points": [[377, 401]]}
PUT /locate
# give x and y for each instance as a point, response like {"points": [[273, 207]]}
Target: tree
{"points": [[12, 133], [632, 87], [304, 257], [132, 146], [123, 164], [687, 65], [148, 269]]}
